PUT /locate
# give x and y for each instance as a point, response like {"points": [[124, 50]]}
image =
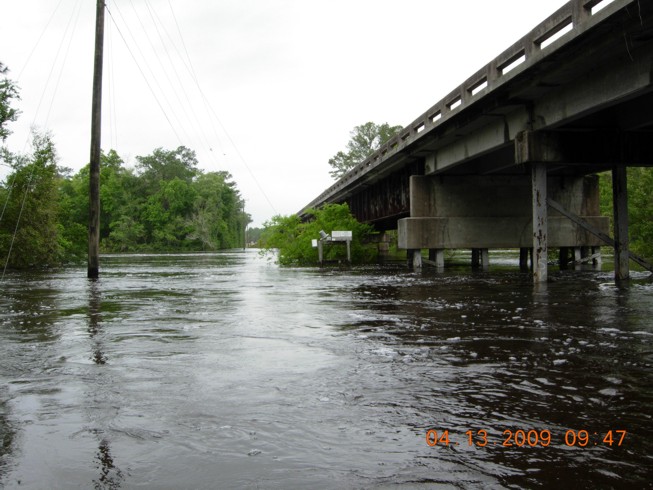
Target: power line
{"points": [[131, 53], [145, 68], [36, 45], [209, 107]]}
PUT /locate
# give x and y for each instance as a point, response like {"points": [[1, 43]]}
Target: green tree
{"points": [[283, 234], [218, 219], [167, 204], [30, 232], [254, 235], [165, 213], [73, 216], [640, 204], [164, 165], [365, 140], [292, 238], [8, 93], [120, 197]]}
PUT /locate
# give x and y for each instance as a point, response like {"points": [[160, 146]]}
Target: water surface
{"points": [[226, 371]]}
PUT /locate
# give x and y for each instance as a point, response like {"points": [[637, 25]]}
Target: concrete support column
{"points": [[598, 260], [564, 257], [481, 258], [578, 255], [383, 248], [523, 258], [485, 259], [540, 223], [414, 259], [436, 255], [620, 205]]}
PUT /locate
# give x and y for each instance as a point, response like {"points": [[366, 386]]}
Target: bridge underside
{"points": [[385, 202]]}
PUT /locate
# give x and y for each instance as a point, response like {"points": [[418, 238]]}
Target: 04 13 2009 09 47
{"points": [[527, 438]]}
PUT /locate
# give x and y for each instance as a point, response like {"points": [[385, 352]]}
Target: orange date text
{"points": [[526, 438]]}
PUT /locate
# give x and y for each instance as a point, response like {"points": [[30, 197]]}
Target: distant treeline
{"points": [[163, 204]]}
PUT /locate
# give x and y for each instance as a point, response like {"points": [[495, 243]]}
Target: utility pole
{"points": [[96, 134]]}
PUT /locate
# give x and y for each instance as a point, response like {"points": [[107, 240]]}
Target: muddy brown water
{"points": [[226, 371]]}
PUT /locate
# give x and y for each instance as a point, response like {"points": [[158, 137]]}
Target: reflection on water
{"points": [[110, 476], [225, 371]]}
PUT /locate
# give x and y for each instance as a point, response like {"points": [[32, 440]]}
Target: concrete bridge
{"points": [[509, 158]]}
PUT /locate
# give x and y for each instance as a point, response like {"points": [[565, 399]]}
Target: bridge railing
{"points": [[568, 22]]}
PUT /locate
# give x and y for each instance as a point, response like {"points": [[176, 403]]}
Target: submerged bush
{"points": [[292, 238]]}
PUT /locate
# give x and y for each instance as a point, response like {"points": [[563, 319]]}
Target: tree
{"points": [[30, 230], [365, 140], [167, 165], [254, 235], [640, 203], [165, 214], [292, 238], [217, 220], [167, 205], [8, 92]]}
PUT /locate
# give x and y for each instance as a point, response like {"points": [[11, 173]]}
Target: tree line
{"points": [[163, 204]]}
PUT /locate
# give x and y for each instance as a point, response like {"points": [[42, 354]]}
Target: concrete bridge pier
{"points": [[620, 207], [578, 256], [480, 258], [507, 211], [416, 261], [414, 258], [524, 255], [540, 223], [383, 247], [436, 257]]}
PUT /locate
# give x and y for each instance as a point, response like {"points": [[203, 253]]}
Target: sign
{"points": [[341, 236]]}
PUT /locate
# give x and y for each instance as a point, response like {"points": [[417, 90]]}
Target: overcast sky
{"points": [[267, 90]]}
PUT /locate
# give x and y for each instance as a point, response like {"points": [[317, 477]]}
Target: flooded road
{"points": [[226, 371]]}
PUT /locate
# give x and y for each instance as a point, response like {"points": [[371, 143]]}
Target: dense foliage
{"points": [[8, 93], [292, 238], [365, 140], [165, 204], [32, 199]]}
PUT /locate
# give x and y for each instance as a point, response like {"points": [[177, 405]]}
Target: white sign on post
{"points": [[341, 236]]}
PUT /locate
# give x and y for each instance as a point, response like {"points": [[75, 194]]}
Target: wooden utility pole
{"points": [[96, 133]]}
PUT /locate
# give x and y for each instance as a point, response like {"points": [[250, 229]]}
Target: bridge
{"points": [[509, 158]]}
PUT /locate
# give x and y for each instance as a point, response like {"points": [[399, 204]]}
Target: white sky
{"points": [[285, 80]]}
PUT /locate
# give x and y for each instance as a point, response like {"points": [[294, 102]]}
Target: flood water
{"points": [[226, 371]]}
